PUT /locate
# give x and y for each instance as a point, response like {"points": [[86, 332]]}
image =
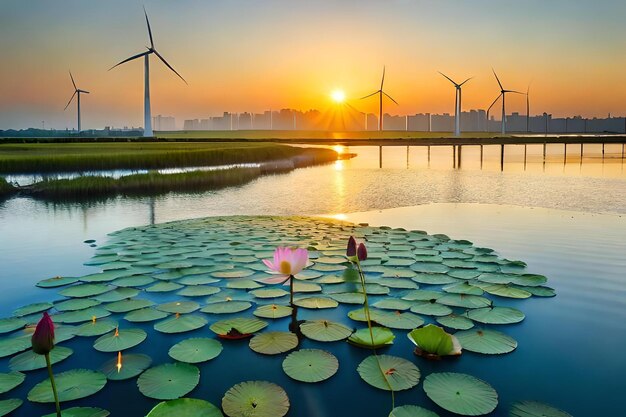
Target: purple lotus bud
{"points": [[351, 250], [361, 252], [43, 338]]}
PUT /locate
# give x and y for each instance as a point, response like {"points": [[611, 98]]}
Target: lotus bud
{"points": [[361, 252], [351, 249], [43, 338]]}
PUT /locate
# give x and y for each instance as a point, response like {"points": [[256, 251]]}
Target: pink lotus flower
{"points": [[43, 338], [287, 262], [361, 252], [351, 249]]}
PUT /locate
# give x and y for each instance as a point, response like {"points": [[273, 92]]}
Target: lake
{"points": [[565, 218]]}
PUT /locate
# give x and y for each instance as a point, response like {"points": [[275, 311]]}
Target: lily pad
{"points": [[507, 291], [117, 294], [7, 406], [348, 297], [273, 343], [124, 306], [164, 287], [185, 407], [81, 412], [195, 350], [310, 365], [56, 282], [81, 315], [144, 315], [76, 304], [382, 337], [411, 411], [433, 340], [131, 365], [226, 307], [237, 327], [255, 399], [316, 303], [71, 385], [198, 291], [431, 308], [169, 381], [180, 323], [456, 322], [460, 393], [465, 301], [10, 324], [12, 345], [399, 320], [392, 304], [85, 290], [181, 307], [133, 281], [389, 373], [535, 409], [269, 293], [29, 360], [488, 342], [272, 311], [96, 328], [32, 309], [10, 380], [325, 331], [119, 340], [496, 315]]}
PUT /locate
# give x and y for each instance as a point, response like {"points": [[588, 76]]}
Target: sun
{"points": [[338, 96]]}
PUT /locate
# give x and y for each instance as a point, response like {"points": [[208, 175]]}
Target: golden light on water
{"points": [[119, 362], [338, 96], [339, 149], [339, 216], [339, 165]]}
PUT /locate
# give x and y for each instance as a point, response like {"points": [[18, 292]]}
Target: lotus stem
{"points": [[54, 387]]}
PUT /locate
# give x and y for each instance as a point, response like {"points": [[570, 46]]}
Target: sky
{"points": [[254, 55]]}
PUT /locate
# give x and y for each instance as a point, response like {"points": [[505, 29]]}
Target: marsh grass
{"points": [[71, 157], [6, 189]]}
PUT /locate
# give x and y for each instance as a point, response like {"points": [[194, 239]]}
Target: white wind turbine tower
{"points": [[457, 104], [380, 93], [147, 116], [502, 94], [77, 92]]}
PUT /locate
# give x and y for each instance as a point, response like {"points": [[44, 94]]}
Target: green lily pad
{"points": [[119, 340], [362, 337], [185, 407], [399, 320], [316, 303], [504, 290], [81, 315], [238, 326], [71, 385], [96, 328], [133, 281], [541, 291], [198, 291], [56, 282], [12, 345], [164, 287], [180, 323], [197, 280], [411, 411], [269, 293], [460, 393], [117, 294], [169, 381], [7, 406], [10, 380], [273, 343], [456, 322], [422, 295], [535, 409], [429, 268], [389, 373], [226, 307], [431, 308], [463, 288], [488, 342], [465, 301], [10, 324], [29, 360], [255, 399], [325, 331], [132, 365], [348, 297], [85, 290], [496, 315], [310, 365], [529, 280], [392, 304], [233, 273], [32, 309], [144, 315], [81, 412], [124, 306], [195, 350], [76, 304], [434, 340], [181, 307], [272, 311]]}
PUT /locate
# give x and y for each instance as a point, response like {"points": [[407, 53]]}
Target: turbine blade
{"points": [[169, 66], [465, 81], [382, 81], [68, 103], [369, 95], [512, 91], [75, 88], [390, 98], [130, 59], [149, 30], [497, 79], [83, 91], [450, 79], [494, 102]]}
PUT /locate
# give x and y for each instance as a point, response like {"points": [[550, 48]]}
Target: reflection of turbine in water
{"points": [[380, 93], [147, 117], [503, 95], [152, 210], [457, 103], [77, 92]]}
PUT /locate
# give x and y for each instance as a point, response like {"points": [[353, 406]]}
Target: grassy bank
{"points": [[6, 189], [69, 157]]}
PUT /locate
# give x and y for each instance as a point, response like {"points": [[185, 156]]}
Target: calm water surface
{"points": [[565, 218]]}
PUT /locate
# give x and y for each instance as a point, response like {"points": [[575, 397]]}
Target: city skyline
{"points": [[276, 54]]}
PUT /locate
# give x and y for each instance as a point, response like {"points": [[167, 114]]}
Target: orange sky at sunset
{"points": [[252, 56]]}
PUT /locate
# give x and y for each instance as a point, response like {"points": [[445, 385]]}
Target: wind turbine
{"points": [[147, 117], [380, 93], [77, 92], [528, 108], [502, 94], [457, 104]]}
